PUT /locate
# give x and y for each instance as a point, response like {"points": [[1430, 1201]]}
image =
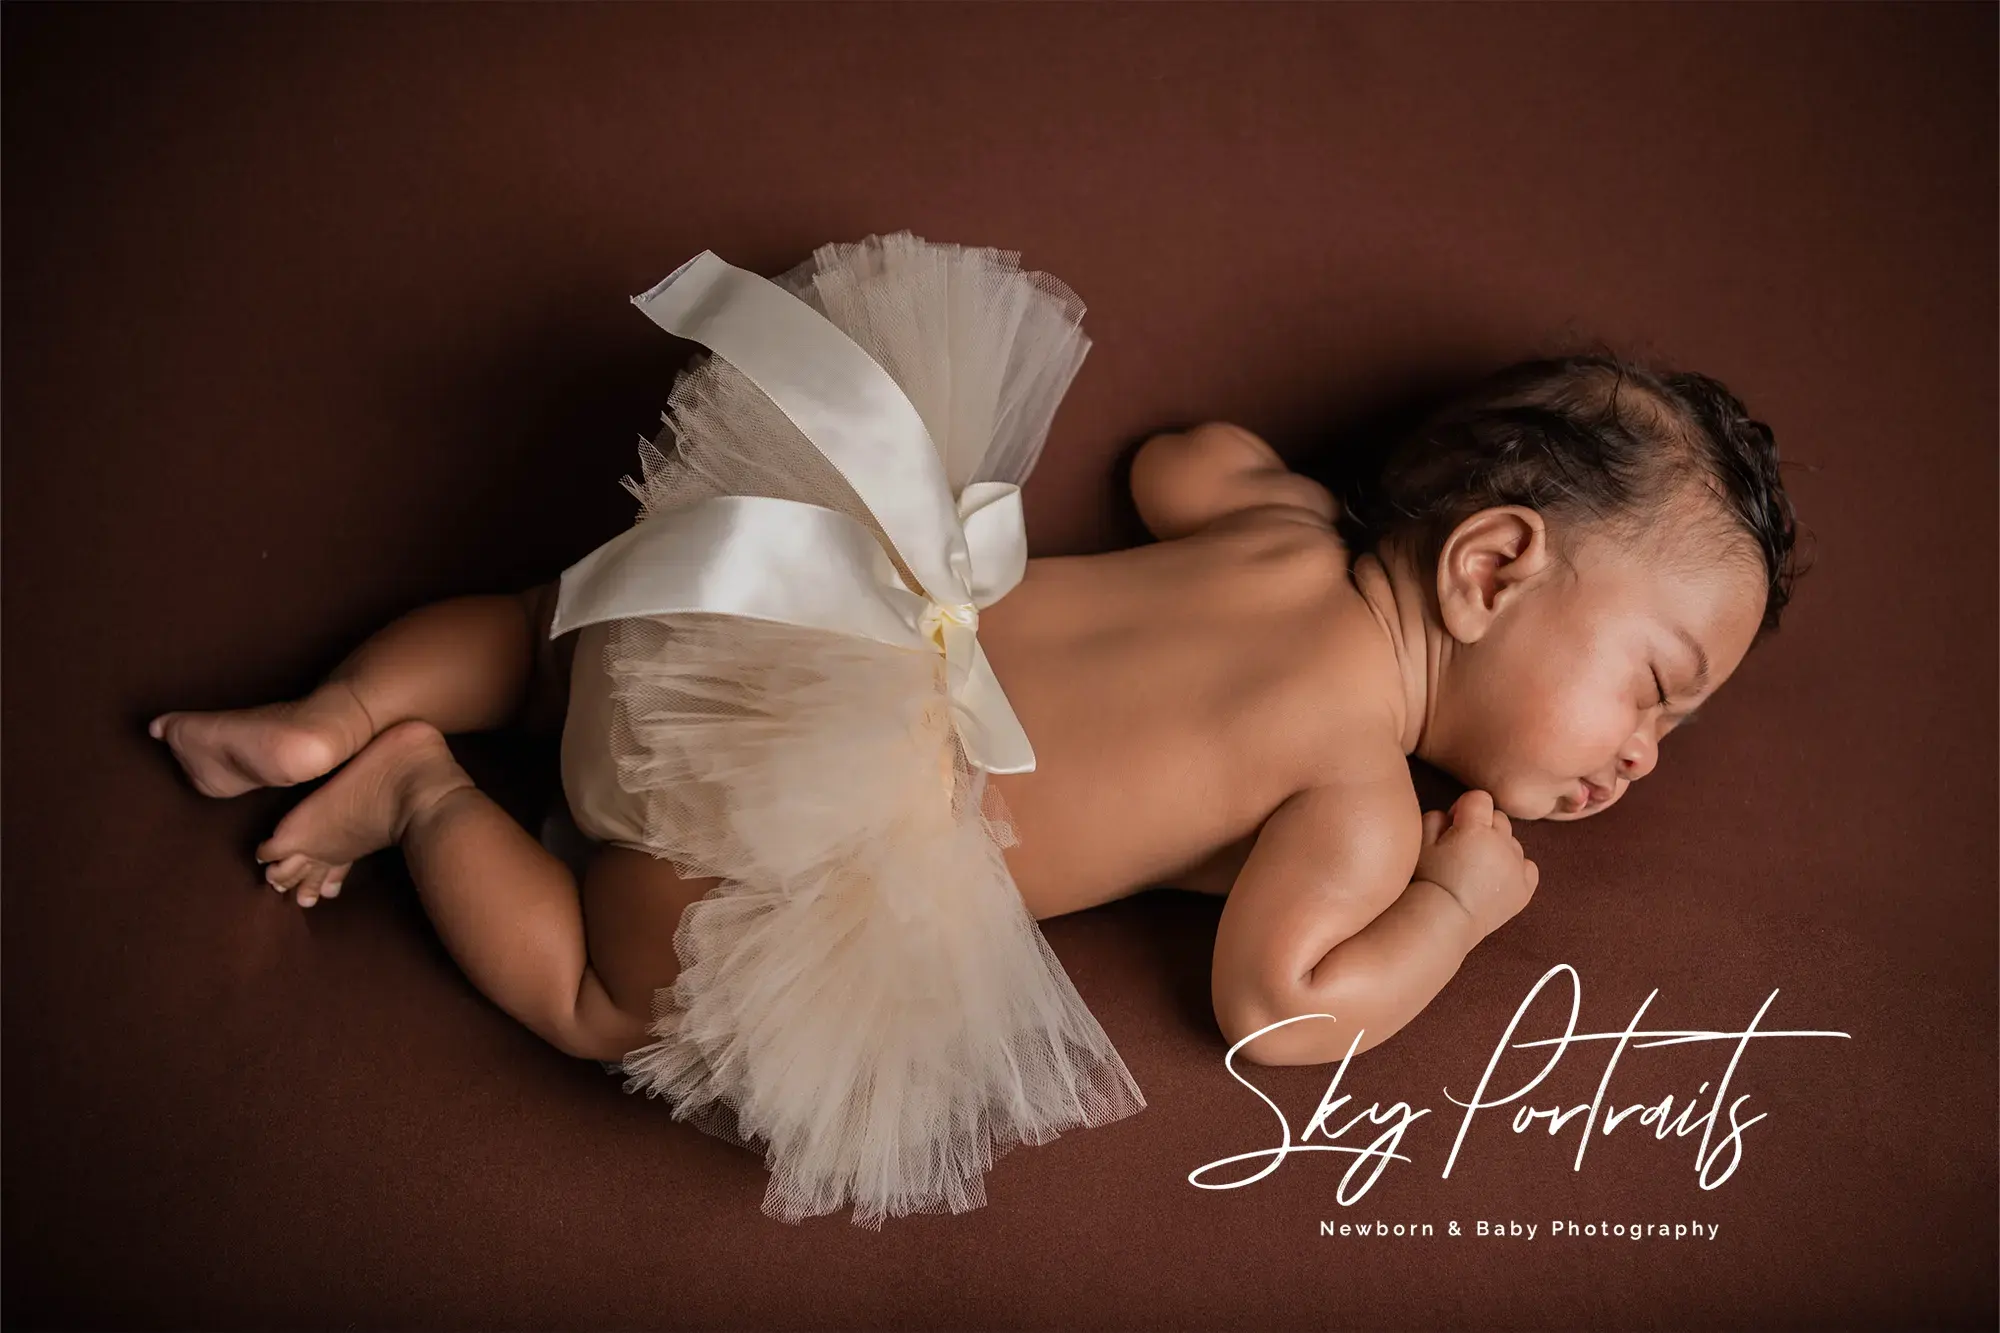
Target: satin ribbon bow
{"points": [[801, 564]]}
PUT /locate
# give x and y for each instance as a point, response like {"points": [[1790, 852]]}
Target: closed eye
{"points": [[1687, 720]]}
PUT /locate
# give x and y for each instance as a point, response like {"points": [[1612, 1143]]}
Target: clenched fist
{"points": [[1470, 853]]}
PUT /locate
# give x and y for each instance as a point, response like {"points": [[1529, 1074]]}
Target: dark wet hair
{"points": [[1591, 439]]}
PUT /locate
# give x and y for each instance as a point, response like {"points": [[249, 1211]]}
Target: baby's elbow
{"points": [[1275, 1026], [1272, 1030], [1239, 1019]]}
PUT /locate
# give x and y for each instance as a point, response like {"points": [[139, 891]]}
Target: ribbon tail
{"points": [[996, 535], [743, 555], [841, 399], [997, 741]]}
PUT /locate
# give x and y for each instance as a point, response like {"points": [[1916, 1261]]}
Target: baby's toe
{"points": [[313, 887], [288, 873], [288, 839]]}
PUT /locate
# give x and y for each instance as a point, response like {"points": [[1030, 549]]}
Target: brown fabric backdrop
{"points": [[313, 314]]}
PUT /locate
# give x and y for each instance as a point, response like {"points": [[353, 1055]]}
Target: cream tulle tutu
{"points": [[864, 997]]}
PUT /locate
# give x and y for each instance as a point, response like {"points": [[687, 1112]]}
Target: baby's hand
{"points": [[1471, 854]]}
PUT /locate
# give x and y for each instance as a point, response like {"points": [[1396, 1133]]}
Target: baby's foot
{"points": [[364, 808], [276, 745]]}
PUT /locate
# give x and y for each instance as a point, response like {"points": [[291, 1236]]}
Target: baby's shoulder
{"points": [[1352, 688]]}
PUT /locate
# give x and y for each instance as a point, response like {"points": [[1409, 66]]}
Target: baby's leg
{"points": [[632, 905], [507, 910], [465, 664]]}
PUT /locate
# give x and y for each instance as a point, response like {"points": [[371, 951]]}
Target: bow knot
{"points": [[794, 563], [937, 615]]}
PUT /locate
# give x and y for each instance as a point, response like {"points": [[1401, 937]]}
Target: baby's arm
{"points": [[1328, 917], [1185, 481]]}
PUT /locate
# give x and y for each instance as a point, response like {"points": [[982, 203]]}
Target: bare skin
{"points": [[1097, 821], [508, 910], [1221, 672], [1228, 710]]}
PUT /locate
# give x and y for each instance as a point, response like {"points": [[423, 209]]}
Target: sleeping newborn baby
{"points": [[1545, 579], [1561, 569]]}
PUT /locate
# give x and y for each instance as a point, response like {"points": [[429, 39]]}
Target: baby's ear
{"points": [[1486, 562]]}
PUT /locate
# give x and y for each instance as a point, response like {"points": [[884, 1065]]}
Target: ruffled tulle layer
{"points": [[864, 996]]}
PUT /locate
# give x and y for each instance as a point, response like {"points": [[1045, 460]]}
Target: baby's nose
{"points": [[1637, 761]]}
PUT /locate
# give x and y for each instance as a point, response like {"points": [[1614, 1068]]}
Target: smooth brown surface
{"points": [[315, 313]]}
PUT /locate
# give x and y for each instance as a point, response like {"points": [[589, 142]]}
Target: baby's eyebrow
{"points": [[1701, 672]]}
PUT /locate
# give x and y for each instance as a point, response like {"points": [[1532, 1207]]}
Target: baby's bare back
{"points": [[1176, 694]]}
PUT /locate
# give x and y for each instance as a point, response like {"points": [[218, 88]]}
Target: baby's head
{"points": [[1590, 534]]}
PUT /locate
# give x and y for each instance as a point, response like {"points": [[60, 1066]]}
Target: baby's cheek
{"points": [[1541, 741], [1577, 736]]}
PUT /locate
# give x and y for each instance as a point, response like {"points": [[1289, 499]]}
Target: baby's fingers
{"points": [[1534, 874], [1474, 809], [1501, 822], [1434, 821]]}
